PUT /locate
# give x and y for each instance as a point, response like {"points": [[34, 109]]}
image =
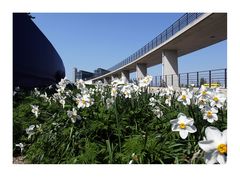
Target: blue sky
{"points": [[92, 40]]}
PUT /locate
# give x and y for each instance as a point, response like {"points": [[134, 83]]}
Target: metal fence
{"points": [[209, 78], [165, 35]]}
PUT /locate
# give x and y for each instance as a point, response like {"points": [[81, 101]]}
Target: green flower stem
{"points": [[118, 130]]}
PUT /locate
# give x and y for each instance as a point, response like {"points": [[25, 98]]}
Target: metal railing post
{"points": [[172, 79], [160, 81], [197, 79], [210, 79], [166, 80], [179, 82], [187, 80], [225, 78]]}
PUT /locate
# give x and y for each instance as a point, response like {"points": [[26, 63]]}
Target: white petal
{"points": [[190, 95], [205, 117], [212, 133], [175, 127], [191, 129], [224, 137], [215, 117], [207, 145], [189, 121], [183, 134], [174, 121], [210, 120], [184, 103], [214, 110], [211, 157], [221, 158], [179, 98], [181, 114]]}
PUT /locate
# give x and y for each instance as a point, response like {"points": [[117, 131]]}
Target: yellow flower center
{"points": [[204, 93], [184, 97], [222, 148], [83, 102], [182, 125], [215, 99], [209, 114]]}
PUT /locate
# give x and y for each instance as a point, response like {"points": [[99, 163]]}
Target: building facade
{"points": [[84, 75]]}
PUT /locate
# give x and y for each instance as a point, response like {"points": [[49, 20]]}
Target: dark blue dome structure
{"points": [[36, 63]]}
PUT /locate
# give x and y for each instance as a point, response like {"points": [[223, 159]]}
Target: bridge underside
{"points": [[208, 31]]}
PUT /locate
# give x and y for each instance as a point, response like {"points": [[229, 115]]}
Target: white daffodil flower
{"points": [[185, 97], [136, 88], [62, 85], [83, 101], [35, 110], [109, 102], [80, 84], [91, 91], [21, 146], [217, 99], [152, 101], [204, 93], [30, 131], [36, 92], [114, 92], [117, 82], [210, 114], [157, 111], [73, 115], [84, 91], [168, 100], [145, 81], [62, 101], [215, 145], [126, 90], [45, 97], [201, 103], [69, 93], [184, 125]]}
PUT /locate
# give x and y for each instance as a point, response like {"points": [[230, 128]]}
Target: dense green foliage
{"points": [[106, 133]]}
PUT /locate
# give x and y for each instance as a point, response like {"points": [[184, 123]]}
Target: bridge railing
{"points": [[209, 78], [165, 35]]}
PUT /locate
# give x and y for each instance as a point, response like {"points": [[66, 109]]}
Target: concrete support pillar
{"points": [[106, 80], [112, 77], [141, 70], [170, 67], [125, 76]]}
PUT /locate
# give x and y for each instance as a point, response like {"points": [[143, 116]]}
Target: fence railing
{"points": [[165, 35], [210, 78]]}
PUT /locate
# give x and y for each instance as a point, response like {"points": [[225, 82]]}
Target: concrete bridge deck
{"points": [[205, 30]]}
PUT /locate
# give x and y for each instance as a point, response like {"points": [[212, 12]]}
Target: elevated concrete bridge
{"points": [[193, 31]]}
